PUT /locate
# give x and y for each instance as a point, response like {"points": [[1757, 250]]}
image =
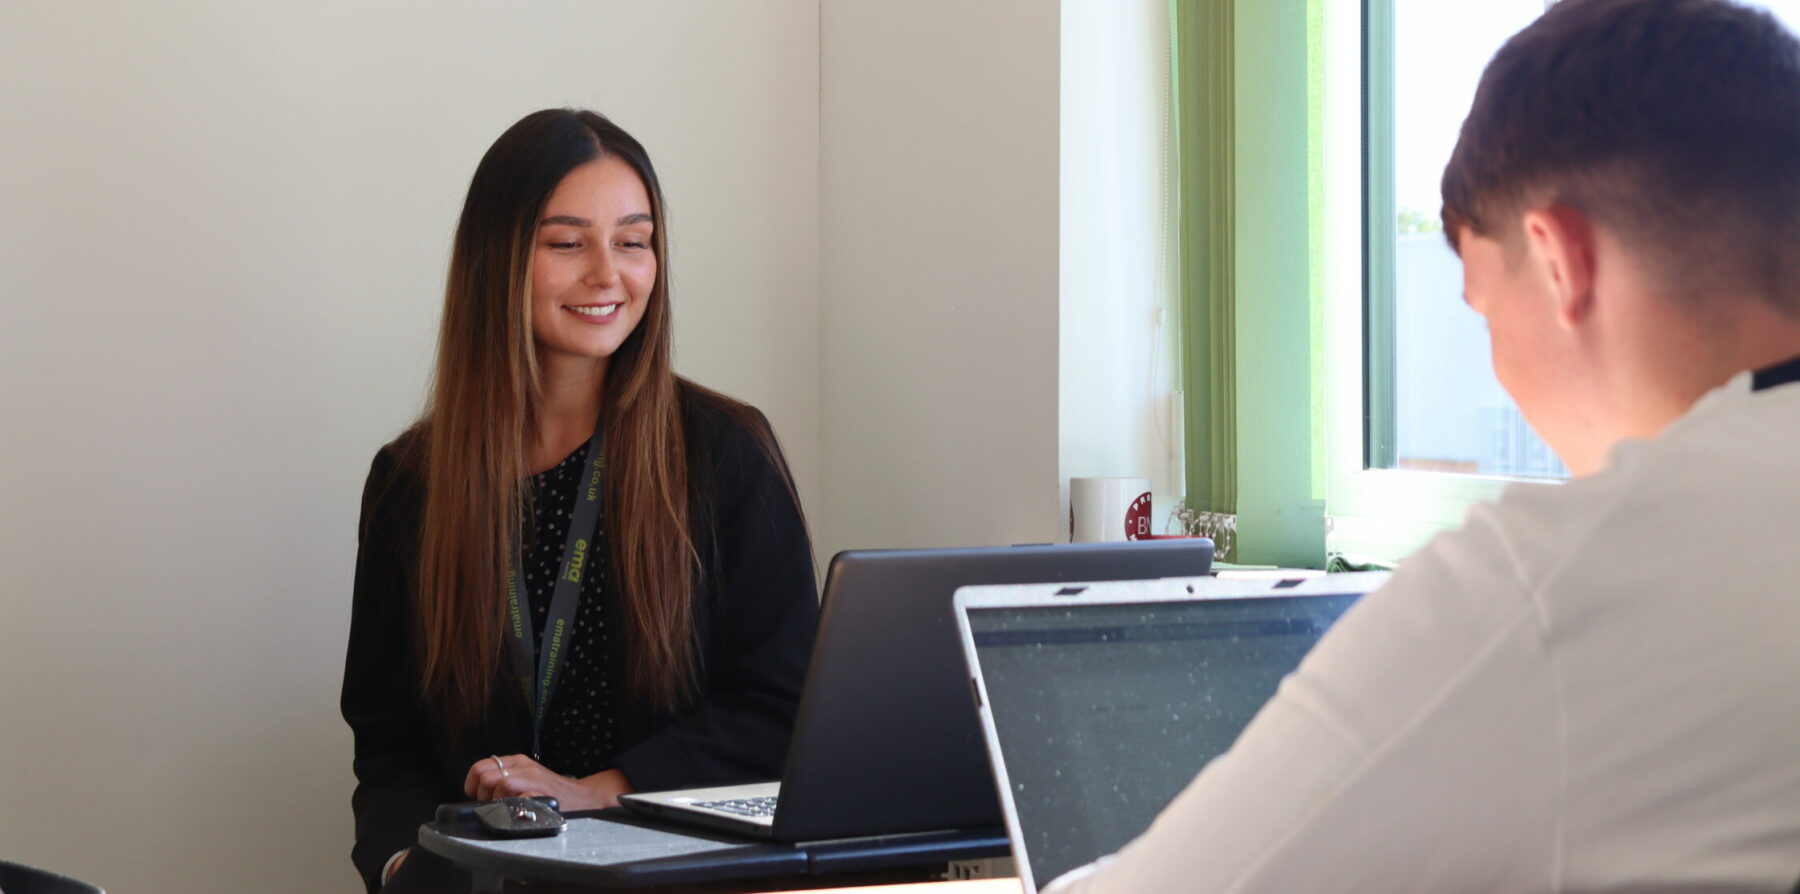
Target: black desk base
{"points": [[618, 849]]}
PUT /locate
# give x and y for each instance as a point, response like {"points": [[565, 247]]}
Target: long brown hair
{"points": [[483, 407]]}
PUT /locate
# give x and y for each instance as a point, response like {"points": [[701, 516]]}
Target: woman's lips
{"points": [[595, 314]]}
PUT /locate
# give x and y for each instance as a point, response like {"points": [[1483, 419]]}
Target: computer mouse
{"points": [[519, 818]]}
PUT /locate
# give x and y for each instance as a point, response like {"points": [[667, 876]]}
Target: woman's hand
{"points": [[516, 775]]}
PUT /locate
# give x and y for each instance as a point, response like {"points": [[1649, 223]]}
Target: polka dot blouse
{"points": [[578, 732]]}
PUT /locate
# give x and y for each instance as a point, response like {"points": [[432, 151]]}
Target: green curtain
{"points": [[1204, 105], [1246, 95]]}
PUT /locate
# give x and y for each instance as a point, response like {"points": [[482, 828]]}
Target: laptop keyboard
{"points": [[743, 806]]}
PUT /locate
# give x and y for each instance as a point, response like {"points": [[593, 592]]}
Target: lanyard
{"points": [[540, 682]]}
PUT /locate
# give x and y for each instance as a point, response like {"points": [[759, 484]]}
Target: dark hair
{"points": [[1675, 123]]}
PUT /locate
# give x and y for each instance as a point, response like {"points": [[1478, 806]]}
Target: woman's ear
{"points": [[1559, 241]]}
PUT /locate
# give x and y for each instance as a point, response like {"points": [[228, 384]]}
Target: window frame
{"points": [[1290, 364], [1247, 156]]}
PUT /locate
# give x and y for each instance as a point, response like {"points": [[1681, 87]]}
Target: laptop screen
{"points": [[1104, 713]]}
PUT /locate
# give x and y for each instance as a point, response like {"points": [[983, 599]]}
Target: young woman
{"points": [[578, 574]]}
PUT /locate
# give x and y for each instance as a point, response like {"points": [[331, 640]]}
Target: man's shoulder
{"points": [[1712, 484], [1718, 485]]}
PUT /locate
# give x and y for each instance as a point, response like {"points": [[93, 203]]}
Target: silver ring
{"points": [[497, 763]]}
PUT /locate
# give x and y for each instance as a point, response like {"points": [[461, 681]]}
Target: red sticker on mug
{"points": [[1137, 518]]}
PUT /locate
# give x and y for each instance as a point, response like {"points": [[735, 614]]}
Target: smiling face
{"points": [[593, 264]]}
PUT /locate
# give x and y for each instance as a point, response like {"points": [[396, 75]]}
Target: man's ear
{"points": [[1560, 242]]}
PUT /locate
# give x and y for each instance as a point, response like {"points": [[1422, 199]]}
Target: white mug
{"points": [[1107, 510]]}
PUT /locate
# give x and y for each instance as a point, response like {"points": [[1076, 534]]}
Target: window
{"points": [[1320, 297], [1418, 430], [1435, 405]]}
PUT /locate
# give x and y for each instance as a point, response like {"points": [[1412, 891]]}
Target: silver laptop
{"points": [[1101, 702]]}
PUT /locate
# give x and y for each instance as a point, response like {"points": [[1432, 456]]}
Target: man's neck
{"points": [[1747, 334]]}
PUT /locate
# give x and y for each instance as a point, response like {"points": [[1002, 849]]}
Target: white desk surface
{"points": [[985, 886]]}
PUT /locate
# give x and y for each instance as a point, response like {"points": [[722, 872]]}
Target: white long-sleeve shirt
{"points": [[1592, 686]]}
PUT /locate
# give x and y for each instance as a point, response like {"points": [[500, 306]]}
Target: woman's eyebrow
{"points": [[570, 220]]}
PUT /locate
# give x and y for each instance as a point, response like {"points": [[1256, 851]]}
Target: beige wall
{"points": [[223, 237], [939, 283], [1118, 260], [223, 229]]}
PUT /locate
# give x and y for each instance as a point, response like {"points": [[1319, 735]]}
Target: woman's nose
{"points": [[603, 274]]}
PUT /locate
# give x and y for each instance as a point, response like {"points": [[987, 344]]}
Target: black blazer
{"points": [[756, 609]]}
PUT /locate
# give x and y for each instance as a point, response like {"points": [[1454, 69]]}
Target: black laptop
{"points": [[887, 739]]}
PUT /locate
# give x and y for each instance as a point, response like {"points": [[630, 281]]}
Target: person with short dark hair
{"points": [[1593, 686]]}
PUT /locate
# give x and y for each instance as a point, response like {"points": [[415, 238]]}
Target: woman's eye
{"points": [[632, 245], [564, 246]]}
